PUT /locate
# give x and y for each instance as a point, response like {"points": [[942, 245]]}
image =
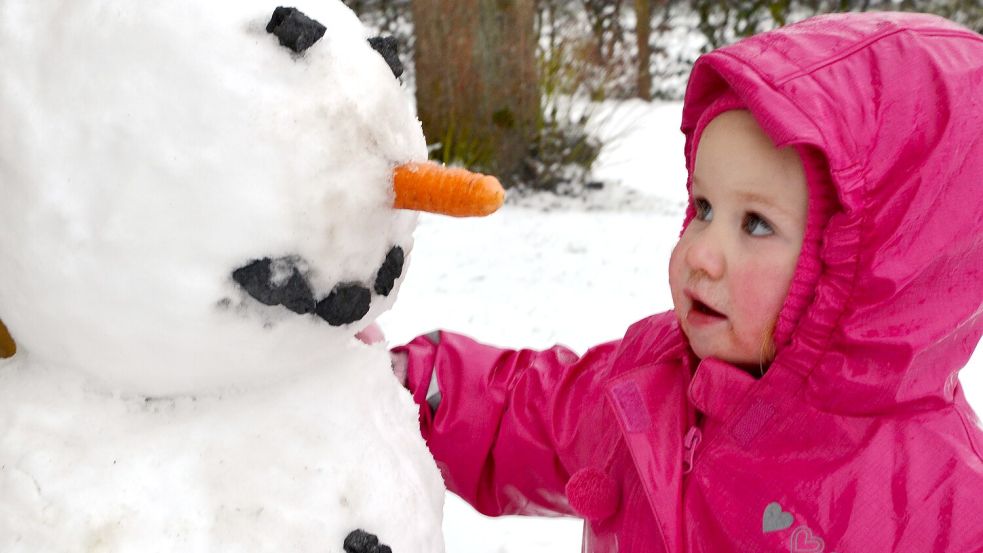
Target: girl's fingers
{"points": [[371, 334]]}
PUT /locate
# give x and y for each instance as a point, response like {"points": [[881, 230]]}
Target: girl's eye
{"points": [[755, 225], [704, 211]]}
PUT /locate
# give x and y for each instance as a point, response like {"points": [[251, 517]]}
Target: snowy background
{"points": [[552, 270]]}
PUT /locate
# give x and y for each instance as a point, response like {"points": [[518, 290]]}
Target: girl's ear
{"points": [[7, 346]]}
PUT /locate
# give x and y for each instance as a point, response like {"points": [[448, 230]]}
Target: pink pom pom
{"points": [[593, 494]]}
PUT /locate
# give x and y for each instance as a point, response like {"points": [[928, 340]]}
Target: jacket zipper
{"points": [[690, 443]]}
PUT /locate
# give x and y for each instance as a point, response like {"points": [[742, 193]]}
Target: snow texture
{"points": [[147, 152]]}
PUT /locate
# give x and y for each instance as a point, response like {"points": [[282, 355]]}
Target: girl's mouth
{"points": [[699, 313], [705, 309]]}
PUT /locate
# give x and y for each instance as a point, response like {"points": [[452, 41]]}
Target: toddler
{"points": [[827, 287]]}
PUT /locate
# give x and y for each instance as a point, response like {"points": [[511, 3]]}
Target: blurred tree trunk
{"points": [[477, 89], [643, 33]]}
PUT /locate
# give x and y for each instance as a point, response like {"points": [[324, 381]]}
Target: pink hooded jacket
{"points": [[859, 437]]}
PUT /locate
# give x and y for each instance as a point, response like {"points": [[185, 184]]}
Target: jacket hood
{"points": [[894, 104]]}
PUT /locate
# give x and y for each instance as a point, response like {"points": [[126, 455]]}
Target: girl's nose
{"points": [[706, 254]]}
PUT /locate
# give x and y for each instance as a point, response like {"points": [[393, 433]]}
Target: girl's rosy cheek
{"points": [[679, 277], [760, 293], [676, 271]]}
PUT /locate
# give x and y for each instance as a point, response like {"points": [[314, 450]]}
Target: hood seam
{"points": [[864, 44], [839, 56]]}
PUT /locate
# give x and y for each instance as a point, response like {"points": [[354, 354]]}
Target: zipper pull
{"points": [[690, 443]]}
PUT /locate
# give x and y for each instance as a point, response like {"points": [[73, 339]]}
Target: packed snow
{"points": [[575, 271], [183, 193], [139, 173]]}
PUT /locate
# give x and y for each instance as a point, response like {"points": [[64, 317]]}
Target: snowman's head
{"points": [[195, 195]]}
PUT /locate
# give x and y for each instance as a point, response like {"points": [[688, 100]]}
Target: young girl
{"points": [[828, 286]]}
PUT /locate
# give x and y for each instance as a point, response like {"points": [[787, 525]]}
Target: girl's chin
{"points": [[754, 365]]}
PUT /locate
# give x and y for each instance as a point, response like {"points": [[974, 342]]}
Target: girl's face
{"points": [[731, 269]]}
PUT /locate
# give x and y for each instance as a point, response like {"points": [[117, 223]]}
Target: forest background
{"points": [[508, 87]]}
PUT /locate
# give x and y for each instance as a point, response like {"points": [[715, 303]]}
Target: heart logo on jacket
{"points": [[775, 519], [803, 541]]}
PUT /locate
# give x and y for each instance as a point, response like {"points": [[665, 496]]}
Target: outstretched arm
{"points": [[500, 422]]}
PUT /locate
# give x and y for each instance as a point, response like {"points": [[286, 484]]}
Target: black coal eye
{"points": [[294, 29], [388, 48]]}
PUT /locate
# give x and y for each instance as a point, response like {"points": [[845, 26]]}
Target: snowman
{"points": [[201, 204]]}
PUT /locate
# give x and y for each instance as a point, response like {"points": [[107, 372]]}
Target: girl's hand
{"points": [[371, 334], [401, 364]]}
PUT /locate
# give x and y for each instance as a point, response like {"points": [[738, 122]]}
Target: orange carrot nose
{"points": [[446, 190], [7, 346]]}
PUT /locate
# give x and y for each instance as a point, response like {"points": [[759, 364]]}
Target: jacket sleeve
{"points": [[500, 423]]}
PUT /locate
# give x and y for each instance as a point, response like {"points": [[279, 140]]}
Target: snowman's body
{"points": [[147, 153], [292, 467]]}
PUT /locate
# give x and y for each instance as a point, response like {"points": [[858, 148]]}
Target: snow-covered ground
{"points": [[560, 271]]}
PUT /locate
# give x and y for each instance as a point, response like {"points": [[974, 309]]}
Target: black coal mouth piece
{"points": [[283, 281]]}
